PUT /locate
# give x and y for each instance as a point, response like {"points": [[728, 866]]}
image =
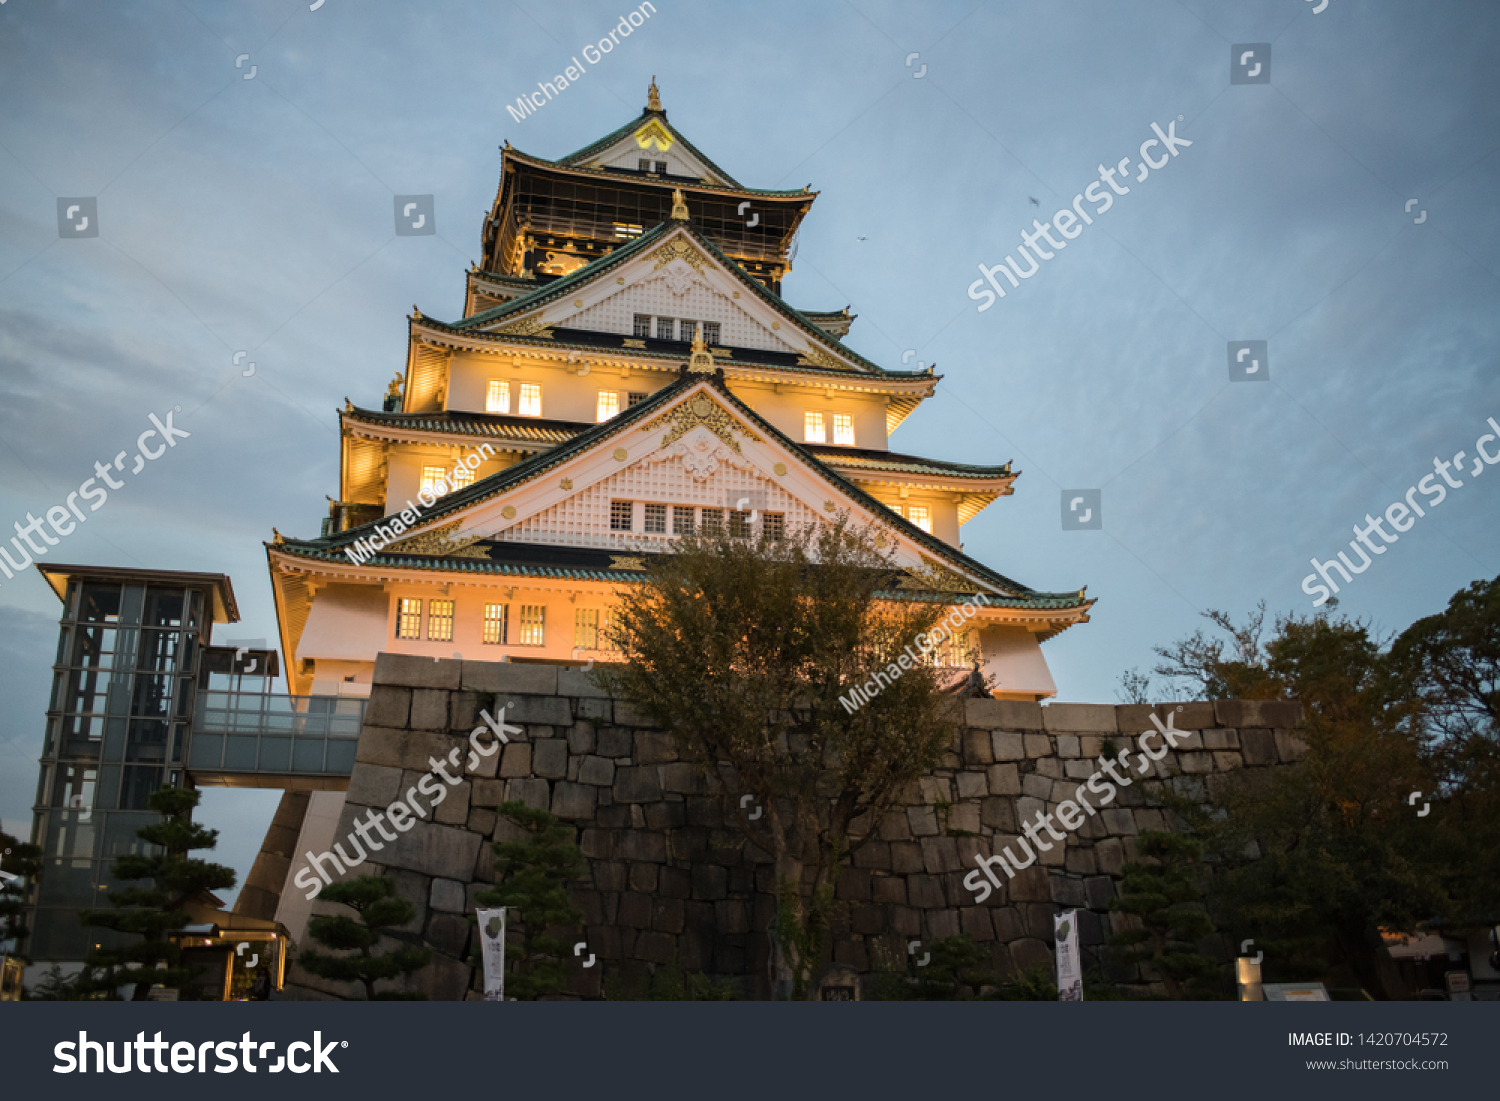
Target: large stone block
{"points": [[572, 800], [1258, 747], [1085, 717], [389, 706], [1098, 890], [1007, 745], [1111, 856], [636, 784], [539, 711], [517, 761], [577, 682], [447, 895], [372, 785], [433, 850], [1289, 747], [652, 747], [686, 778], [411, 749], [1266, 713], [614, 741], [923, 821], [412, 671], [580, 739], [429, 709], [939, 854], [510, 678], [1031, 884], [454, 809], [972, 785], [1030, 952], [925, 892], [640, 845], [875, 855], [549, 758], [1007, 922], [598, 771], [534, 793], [977, 750], [1003, 715], [1004, 780]]}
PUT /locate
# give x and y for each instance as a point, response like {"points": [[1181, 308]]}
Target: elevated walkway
{"points": [[263, 740]]}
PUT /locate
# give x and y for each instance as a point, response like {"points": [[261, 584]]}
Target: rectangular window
{"points": [[586, 629], [409, 618], [461, 475], [636, 397], [921, 516], [607, 406], [661, 168], [496, 617], [713, 521], [627, 229], [643, 165], [497, 399], [812, 428], [531, 399], [440, 621], [682, 520], [774, 524], [843, 429], [533, 625], [434, 477], [739, 524], [656, 519], [642, 325], [711, 332], [620, 515], [665, 328]]}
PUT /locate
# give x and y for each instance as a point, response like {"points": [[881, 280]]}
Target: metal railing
{"points": [[251, 732]]}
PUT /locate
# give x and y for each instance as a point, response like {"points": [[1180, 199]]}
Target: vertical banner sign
{"points": [[492, 940], [1069, 965]]}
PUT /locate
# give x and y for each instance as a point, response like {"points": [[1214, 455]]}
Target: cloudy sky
{"points": [[245, 204]]}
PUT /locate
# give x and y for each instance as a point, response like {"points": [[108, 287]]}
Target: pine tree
{"points": [[1166, 898], [534, 878], [155, 912], [20, 862], [374, 899]]}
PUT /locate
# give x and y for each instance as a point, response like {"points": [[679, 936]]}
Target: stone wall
{"points": [[667, 880]]}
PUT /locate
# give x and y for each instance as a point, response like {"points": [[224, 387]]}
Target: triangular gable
{"points": [[674, 272], [699, 447], [650, 138]]}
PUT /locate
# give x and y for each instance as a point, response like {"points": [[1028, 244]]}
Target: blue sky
{"points": [[255, 215]]}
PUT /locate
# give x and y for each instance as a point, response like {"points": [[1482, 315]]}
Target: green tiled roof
{"points": [[332, 547], [560, 288], [489, 425], [903, 464]]}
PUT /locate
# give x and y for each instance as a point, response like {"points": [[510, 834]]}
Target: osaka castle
{"points": [[623, 370]]}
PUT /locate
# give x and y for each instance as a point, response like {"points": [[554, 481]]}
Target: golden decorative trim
{"points": [[678, 249], [578, 303], [653, 97], [828, 506], [567, 483], [621, 455], [620, 279], [679, 206], [776, 324], [654, 133], [813, 356], [509, 512], [626, 562], [780, 469], [526, 326], [437, 543], [701, 411], [631, 342], [702, 361]]}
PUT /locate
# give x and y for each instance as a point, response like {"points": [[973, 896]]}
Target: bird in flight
{"points": [[1033, 201]]}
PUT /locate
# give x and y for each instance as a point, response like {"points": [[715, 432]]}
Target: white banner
{"points": [[492, 942], [1069, 964]]}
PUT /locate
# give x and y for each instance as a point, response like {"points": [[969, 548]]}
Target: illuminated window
{"points": [[586, 629], [711, 332], [440, 621], [921, 516], [656, 519], [435, 481], [620, 515], [774, 524], [812, 428], [496, 617], [608, 406], [531, 399], [497, 400], [713, 521], [462, 476], [533, 625], [843, 429], [627, 229], [739, 524], [682, 520], [409, 619], [642, 325]]}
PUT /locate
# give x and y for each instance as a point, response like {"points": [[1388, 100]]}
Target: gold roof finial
{"points": [[394, 389], [679, 206], [653, 97], [702, 361]]}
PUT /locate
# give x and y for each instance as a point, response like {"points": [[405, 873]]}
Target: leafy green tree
{"points": [[741, 649], [1453, 659], [373, 898], [534, 875], [1315, 859], [156, 912], [1165, 898]]}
